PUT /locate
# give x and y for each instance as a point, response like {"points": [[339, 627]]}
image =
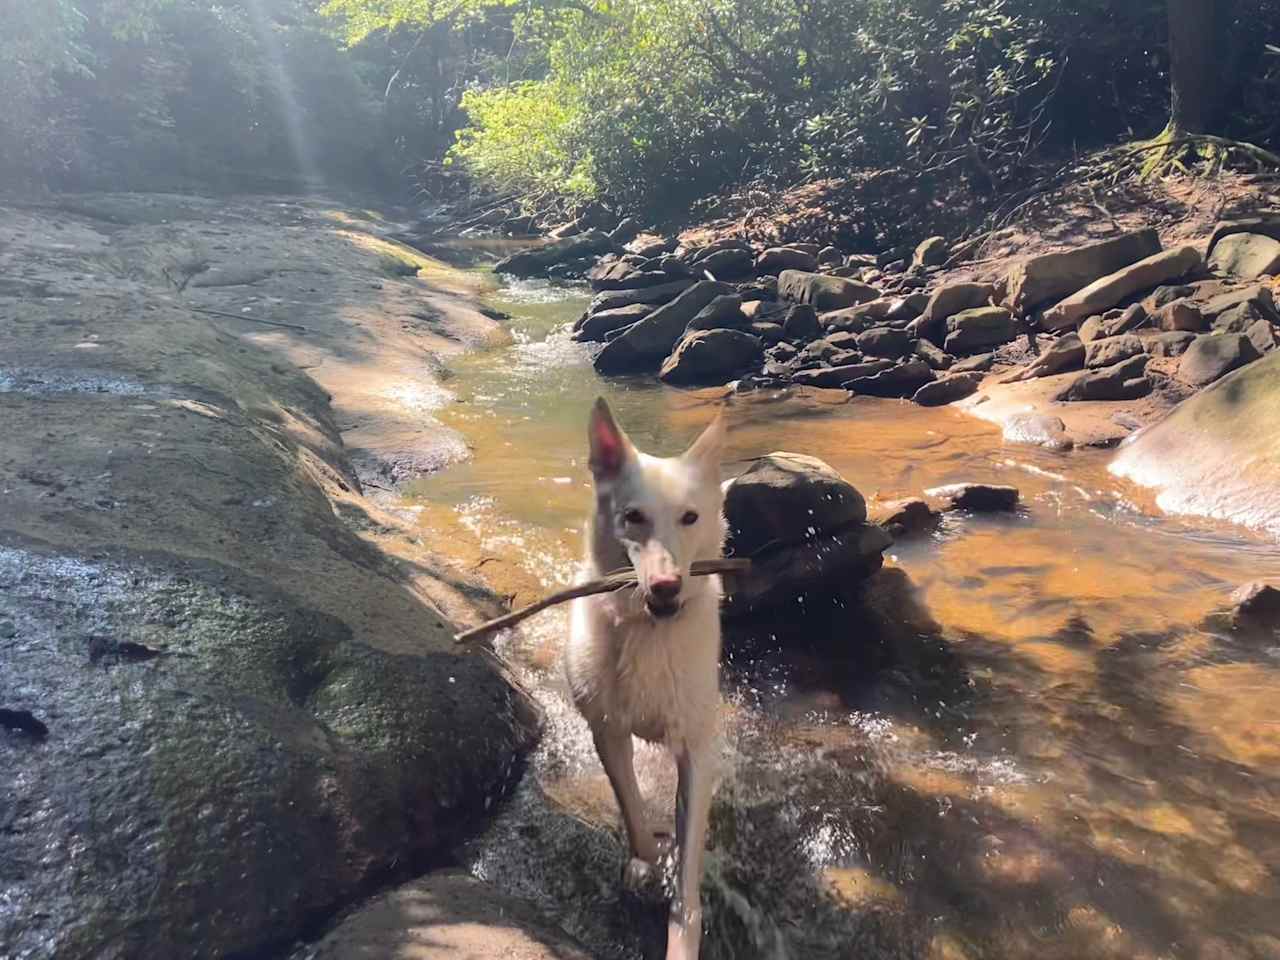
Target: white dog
{"points": [[647, 661]]}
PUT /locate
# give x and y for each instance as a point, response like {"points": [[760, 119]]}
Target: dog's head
{"points": [[665, 513]]}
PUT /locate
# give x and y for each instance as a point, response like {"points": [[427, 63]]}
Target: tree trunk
{"points": [[1193, 69]]}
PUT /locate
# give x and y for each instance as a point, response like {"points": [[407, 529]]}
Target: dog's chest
{"points": [[651, 690]]}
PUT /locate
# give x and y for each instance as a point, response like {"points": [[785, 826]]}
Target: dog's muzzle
{"points": [[661, 609], [663, 598]]}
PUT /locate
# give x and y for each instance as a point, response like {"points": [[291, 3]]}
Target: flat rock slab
{"points": [[1215, 355], [1055, 275], [445, 916], [823, 292], [977, 497], [1105, 293]]}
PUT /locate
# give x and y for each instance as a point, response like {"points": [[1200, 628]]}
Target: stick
{"points": [[606, 584], [251, 319]]}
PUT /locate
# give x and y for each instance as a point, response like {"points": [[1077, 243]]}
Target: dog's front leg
{"points": [[616, 756], [693, 806]]}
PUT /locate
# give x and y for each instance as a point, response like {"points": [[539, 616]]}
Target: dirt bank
{"points": [[228, 685]]}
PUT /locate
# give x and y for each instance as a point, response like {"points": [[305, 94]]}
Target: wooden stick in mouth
{"points": [[616, 580]]}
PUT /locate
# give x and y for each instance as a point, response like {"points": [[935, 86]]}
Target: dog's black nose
{"points": [[666, 588]]}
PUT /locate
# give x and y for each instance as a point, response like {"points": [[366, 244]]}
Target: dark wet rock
{"points": [[1111, 350], [1213, 356], [1120, 381], [770, 333], [724, 311], [895, 267], [830, 257], [1181, 315], [884, 342], [801, 322], [904, 518], [1246, 255], [711, 357], [977, 497], [823, 292], [1065, 353], [535, 260], [948, 300], [1168, 294], [571, 269], [1105, 293], [1171, 344], [932, 252], [782, 351], [804, 527], [948, 389], [271, 765], [674, 267], [901, 380], [776, 259], [597, 326], [935, 357], [644, 345], [1215, 454], [621, 275], [838, 376], [655, 295], [764, 289], [979, 328], [723, 264], [23, 722], [821, 349], [628, 229], [982, 361], [1256, 604], [1054, 275]]}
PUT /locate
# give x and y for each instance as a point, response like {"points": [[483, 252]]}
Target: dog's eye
{"points": [[690, 518], [633, 517]]}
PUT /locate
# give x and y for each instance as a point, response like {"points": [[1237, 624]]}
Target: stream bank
{"points": [[230, 702]]}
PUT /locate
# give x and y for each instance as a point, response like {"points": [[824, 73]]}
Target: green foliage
{"points": [[361, 18]]}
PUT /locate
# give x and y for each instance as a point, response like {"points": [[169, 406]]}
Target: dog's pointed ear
{"points": [[708, 449], [610, 447]]}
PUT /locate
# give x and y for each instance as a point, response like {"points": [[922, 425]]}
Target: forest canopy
{"points": [[646, 104]]}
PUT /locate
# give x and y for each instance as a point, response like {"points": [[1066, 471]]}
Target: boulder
{"points": [[935, 357], [906, 517], [1052, 276], [803, 525], [1111, 350], [641, 348], [658, 294], [836, 376], [650, 247], [535, 260], [1114, 322], [724, 311], [1171, 344], [983, 361], [628, 229], [801, 322], [1039, 429], [776, 259], [596, 326], [1240, 318], [1215, 454], [1125, 380], [1065, 353], [947, 389], [734, 262], [822, 292], [1183, 315], [711, 357], [981, 327], [932, 252], [902, 380], [812, 249], [830, 257], [977, 497], [1168, 294], [1256, 605], [948, 300], [903, 310], [1246, 255], [857, 319], [718, 246], [1212, 356], [1267, 225], [1106, 292], [621, 275], [770, 333], [1258, 295], [1262, 335], [884, 342]]}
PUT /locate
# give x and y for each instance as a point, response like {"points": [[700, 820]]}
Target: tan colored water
{"points": [[1076, 771]]}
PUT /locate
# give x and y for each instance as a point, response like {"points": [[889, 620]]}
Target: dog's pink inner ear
{"points": [[608, 446]]}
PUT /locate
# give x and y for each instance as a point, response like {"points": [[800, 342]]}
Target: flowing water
{"points": [[1072, 764]]}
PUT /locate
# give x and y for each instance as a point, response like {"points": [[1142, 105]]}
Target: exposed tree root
{"points": [[1174, 152]]}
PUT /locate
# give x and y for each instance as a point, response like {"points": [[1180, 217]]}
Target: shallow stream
{"points": [[1070, 767]]}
